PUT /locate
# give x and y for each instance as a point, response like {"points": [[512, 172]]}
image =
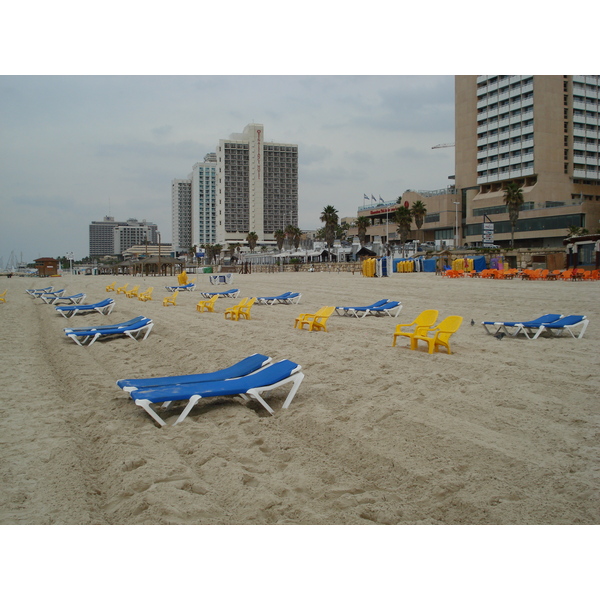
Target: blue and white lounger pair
{"points": [[132, 328], [47, 297], [249, 378], [285, 298], [391, 308], [345, 311], [104, 307], [513, 328], [232, 293], [552, 323], [190, 287], [60, 299], [38, 292]]}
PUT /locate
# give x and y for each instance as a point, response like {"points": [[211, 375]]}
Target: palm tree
{"points": [[403, 218], [252, 238], [513, 198], [279, 238], [418, 211], [216, 249], [289, 232], [362, 223], [329, 216], [297, 237]]}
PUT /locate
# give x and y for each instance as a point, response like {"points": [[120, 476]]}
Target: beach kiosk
{"points": [[46, 266]]}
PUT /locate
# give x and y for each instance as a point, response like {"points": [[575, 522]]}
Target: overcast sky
{"points": [[81, 137], [78, 148]]}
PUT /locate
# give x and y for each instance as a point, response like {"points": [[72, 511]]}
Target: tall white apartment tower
{"points": [[257, 186], [204, 200], [181, 214]]}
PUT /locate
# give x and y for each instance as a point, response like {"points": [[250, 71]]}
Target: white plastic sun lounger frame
{"points": [[74, 299], [557, 331], [392, 311], [103, 307], [296, 377], [133, 331]]}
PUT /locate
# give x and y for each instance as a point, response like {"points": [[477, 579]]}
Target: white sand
{"points": [[500, 432]]}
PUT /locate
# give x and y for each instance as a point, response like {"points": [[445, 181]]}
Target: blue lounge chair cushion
{"points": [[521, 325], [113, 326], [253, 385], [224, 387], [565, 324], [350, 309], [92, 334], [244, 367]]}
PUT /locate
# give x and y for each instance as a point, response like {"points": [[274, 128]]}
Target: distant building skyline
{"points": [[246, 186], [109, 237]]}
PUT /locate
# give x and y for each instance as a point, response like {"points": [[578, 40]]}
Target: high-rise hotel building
{"points": [[204, 200], [540, 131], [181, 214], [257, 186]]}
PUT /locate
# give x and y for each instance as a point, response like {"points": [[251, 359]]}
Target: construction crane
{"points": [[443, 146]]}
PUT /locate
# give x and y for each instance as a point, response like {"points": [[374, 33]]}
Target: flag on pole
{"points": [[373, 198], [366, 197], [381, 200]]}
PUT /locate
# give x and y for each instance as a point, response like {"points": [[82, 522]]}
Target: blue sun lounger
{"points": [[38, 292], [190, 287], [104, 307], [47, 297], [134, 331], [243, 367], [249, 386], [384, 309], [100, 327], [285, 298], [350, 310], [74, 299], [513, 328], [567, 323], [232, 293]]}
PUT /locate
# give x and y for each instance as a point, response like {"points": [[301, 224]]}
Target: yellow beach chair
{"points": [[3, 296], [171, 299], [111, 287], [316, 321], [441, 334], [121, 290], [132, 292], [421, 324], [241, 308], [147, 295], [207, 305]]}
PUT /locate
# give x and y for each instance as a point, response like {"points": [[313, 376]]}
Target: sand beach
{"points": [[499, 432]]}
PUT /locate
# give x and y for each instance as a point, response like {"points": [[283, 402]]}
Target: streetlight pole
{"points": [[456, 224]]}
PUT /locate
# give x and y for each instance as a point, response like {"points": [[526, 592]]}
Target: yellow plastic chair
{"points": [[171, 299], [421, 324], [147, 295], [132, 292], [111, 287], [241, 308], [316, 321], [182, 278], [244, 311], [3, 296], [122, 289], [441, 335], [207, 305]]}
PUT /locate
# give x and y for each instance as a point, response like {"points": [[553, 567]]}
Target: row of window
{"points": [[561, 222]]}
